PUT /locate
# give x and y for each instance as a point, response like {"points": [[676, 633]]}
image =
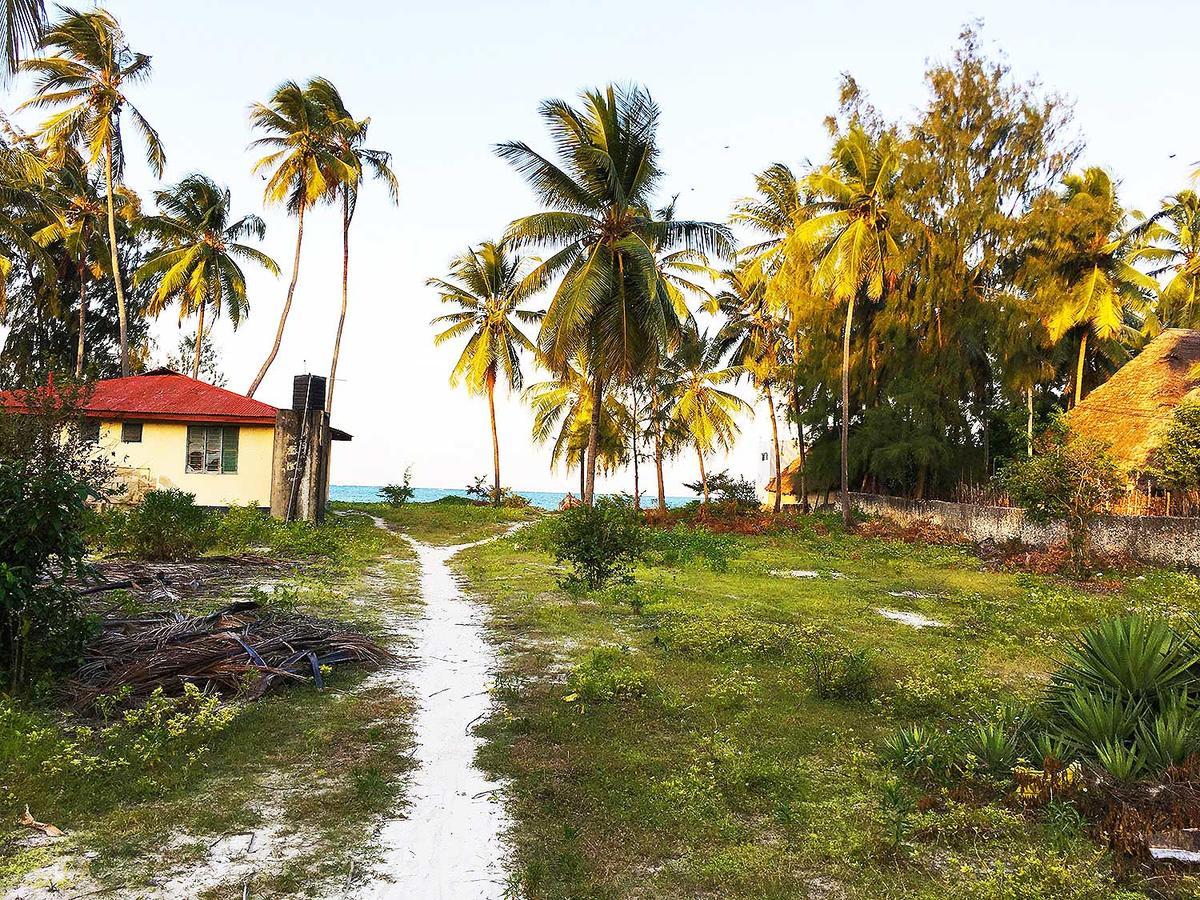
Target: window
{"points": [[131, 432], [212, 448], [90, 431]]}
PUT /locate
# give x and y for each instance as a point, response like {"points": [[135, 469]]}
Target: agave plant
{"points": [[1133, 657], [1122, 761], [995, 746], [1090, 718], [917, 750], [1171, 736]]}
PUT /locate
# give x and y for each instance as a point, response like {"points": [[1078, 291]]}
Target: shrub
{"points": [[600, 542], [717, 636], [606, 675], [840, 673], [244, 527], [724, 488], [1176, 463], [1070, 480], [48, 472], [169, 525], [398, 494], [919, 751]]}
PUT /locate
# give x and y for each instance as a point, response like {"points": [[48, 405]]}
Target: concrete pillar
{"points": [[300, 465]]}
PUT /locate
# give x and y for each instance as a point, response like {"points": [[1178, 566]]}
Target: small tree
{"points": [[1071, 480], [601, 542], [49, 469], [1177, 460], [399, 494]]}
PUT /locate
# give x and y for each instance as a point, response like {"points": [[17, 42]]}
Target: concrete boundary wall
{"points": [[1163, 540]]}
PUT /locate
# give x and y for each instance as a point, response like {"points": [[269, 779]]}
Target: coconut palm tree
{"points": [[348, 136], [24, 22], [850, 234], [75, 215], [704, 410], [598, 223], [488, 285], [1085, 254], [1174, 235], [755, 336], [562, 413], [775, 210], [303, 167], [198, 261], [85, 80]]}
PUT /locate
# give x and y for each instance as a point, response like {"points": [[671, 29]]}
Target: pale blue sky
{"points": [[740, 86]]}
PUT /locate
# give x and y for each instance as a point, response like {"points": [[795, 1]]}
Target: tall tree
{"points": [[348, 136], [1174, 254], [85, 81], [197, 264], [704, 409], [853, 224], [488, 285], [24, 22], [1082, 264], [598, 221], [303, 166]]}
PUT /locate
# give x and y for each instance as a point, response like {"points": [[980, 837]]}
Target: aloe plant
{"points": [[1133, 657]]}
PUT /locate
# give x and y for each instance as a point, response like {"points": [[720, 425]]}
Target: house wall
{"points": [[160, 458], [1162, 540]]}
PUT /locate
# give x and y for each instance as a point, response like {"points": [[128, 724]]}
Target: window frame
{"points": [[217, 446], [127, 432]]}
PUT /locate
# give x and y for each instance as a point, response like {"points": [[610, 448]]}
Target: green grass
{"points": [[446, 523], [326, 764], [721, 774]]}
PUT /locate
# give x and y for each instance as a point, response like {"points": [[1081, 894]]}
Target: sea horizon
{"points": [[370, 493]]}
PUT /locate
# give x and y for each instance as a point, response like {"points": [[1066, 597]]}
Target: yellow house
{"points": [[166, 430]]}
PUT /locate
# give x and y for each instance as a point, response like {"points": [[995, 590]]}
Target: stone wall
{"points": [[1163, 540]]}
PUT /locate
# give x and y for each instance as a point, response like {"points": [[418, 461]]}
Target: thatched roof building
{"points": [[1132, 410]]}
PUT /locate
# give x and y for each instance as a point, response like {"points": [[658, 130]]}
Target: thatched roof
{"points": [[788, 471], [1132, 410]]}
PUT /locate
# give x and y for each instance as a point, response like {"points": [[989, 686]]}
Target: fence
{"points": [[1162, 540], [1133, 503]]}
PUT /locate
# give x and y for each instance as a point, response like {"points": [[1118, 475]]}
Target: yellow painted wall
{"points": [[159, 461]]}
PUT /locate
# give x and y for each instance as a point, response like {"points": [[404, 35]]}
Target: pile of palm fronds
{"points": [[232, 650]]}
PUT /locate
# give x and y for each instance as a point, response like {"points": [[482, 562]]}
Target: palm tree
{"points": [[488, 286], [755, 335], [1175, 234], [704, 410], [1085, 254], [85, 81], [850, 229], [775, 210], [607, 306], [562, 412], [348, 136], [24, 22], [304, 165], [75, 217], [197, 263]]}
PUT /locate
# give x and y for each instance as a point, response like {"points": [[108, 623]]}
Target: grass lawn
{"points": [[662, 739], [314, 768]]}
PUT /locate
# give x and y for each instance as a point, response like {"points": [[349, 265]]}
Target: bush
{"points": [[244, 527], [1070, 480], [1176, 463], [840, 673], [48, 472], [398, 494], [606, 675], [715, 636], [601, 542], [724, 488], [169, 525]]}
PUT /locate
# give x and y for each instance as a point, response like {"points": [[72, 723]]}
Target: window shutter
{"points": [[195, 449], [229, 449]]}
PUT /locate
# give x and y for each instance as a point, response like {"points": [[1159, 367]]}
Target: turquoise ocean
{"points": [[367, 493]]}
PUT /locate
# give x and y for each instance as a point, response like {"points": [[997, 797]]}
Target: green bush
{"points": [[734, 636], [398, 494], [601, 543], [606, 675], [243, 528], [841, 673], [169, 525]]}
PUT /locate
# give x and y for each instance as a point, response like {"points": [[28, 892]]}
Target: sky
{"points": [[740, 86]]}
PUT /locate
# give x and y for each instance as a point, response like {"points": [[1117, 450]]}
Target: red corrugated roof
{"points": [[166, 396]]}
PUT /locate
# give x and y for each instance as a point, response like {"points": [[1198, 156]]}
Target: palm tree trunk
{"points": [[658, 466], [123, 324], [846, 517], [287, 308], [778, 461], [1079, 368], [637, 490], [582, 475], [337, 339], [804, 504], [593, 445], [703, 474], [491, 395], [81, 270], [199, 340], [1029, 420]]}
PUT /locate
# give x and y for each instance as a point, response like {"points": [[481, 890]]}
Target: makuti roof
{"points": [[1132, 410]]}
